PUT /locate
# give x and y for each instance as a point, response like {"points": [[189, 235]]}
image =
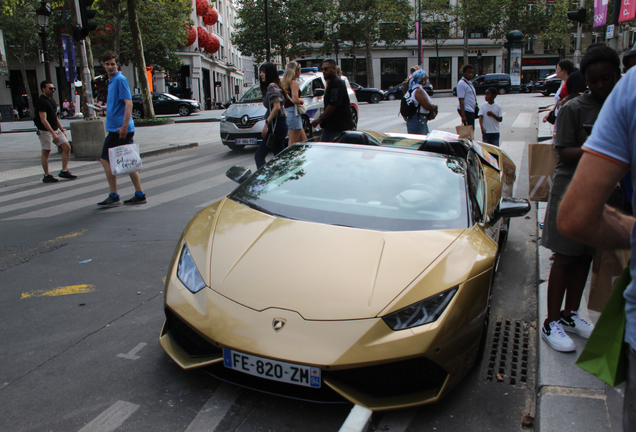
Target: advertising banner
{"points": [[600, 13], [69, 58], [628, 10], [4, 67], [515, 65]]}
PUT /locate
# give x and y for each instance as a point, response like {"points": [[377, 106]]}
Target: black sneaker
{"points": [[49, 179], [110, 202], [136, 200], [67, 175]]}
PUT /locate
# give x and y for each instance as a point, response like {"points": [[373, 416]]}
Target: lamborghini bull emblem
{"points": [[278, 324]]}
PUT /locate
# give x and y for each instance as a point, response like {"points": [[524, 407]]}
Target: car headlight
{"points": [[188, 273], [422, 312]]}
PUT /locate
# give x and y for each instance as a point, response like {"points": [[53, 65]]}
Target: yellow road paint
{"points": [[67, 236], [60, 291]]}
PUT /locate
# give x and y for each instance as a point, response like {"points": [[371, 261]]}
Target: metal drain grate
{"points": [[508, 359]]}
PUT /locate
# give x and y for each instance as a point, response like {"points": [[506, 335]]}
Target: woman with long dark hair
{"points": [[275, 129]]}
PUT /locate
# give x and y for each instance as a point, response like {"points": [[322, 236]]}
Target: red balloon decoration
{"points": [[203, 6], [204, 36], [192, 35], [213, 44], [211, 17]]}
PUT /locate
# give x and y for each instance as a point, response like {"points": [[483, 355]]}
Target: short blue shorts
{"points": [[294, 122]]}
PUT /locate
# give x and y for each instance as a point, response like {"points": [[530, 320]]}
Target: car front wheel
{"points": [[375, 98], [391, 96], [184, 110], [354, 117], [136, 113], [502, 91]]}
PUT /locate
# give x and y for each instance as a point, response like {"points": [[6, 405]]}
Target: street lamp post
{"points": [[268, 45], [43, 13], [419, 33]]}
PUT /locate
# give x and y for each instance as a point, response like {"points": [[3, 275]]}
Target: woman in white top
{"points": [[418, 123]]}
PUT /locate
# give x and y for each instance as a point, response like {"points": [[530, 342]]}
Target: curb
{"points": [[171, 149]]}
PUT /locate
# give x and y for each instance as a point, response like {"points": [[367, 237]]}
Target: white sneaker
{"points": [[577, 324], [556, 338]]}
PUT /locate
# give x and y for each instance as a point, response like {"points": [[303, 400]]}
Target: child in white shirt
{"points": [[490, 117]]}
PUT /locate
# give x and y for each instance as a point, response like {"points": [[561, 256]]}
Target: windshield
{"points": [[252, 95], [360, 187]]}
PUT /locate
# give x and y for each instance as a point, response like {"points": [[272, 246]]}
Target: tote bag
{"points": [[542, 158], [124, 159], [605, 353]]}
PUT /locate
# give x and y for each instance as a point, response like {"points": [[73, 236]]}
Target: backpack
{"points": [[407, 107]]}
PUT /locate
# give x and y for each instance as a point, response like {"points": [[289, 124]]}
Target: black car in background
{"points": [[165, 103], [548, 85], [396, 92], [363, 94], [497, 80]]}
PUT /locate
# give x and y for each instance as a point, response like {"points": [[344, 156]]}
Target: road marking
{"points": [[358, 420], [84, 177], [515, 150], [87, 202], [66, 236], [112, 418], [440, 116], [131, 355], [60, 291], [215, 409], [457, 121], [397, 421], [523, 120]]}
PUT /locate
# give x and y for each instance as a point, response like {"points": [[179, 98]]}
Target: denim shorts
{"points": [[294, 122]]}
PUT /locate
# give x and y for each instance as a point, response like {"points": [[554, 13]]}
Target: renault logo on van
{"points": [[278, 324], [244, 120]]}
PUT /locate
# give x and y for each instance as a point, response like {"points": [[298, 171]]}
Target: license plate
{"points": [[245, 141], [272, 369]]}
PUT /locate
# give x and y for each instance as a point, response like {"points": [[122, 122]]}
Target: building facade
{"points": [[204, 77]]}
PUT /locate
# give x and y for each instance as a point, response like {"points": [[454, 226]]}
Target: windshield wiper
{"points": [[260, 209]]}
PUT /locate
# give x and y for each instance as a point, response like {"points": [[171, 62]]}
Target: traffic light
{"points": [[578, 16], [84, 26]]}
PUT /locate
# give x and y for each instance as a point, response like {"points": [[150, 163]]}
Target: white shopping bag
{"points": [[124, 159]]}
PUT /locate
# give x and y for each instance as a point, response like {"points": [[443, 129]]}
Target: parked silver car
{"points": [[243, 122]]}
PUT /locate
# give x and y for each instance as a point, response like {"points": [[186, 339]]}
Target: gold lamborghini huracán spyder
{"points": [[353, 271]]}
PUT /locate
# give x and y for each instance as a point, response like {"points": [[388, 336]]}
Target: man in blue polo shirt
{"points": [[120, 128]]}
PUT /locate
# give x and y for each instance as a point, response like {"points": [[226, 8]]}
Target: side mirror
{"points": [[319, 92], [238, 173], [510, 207]]}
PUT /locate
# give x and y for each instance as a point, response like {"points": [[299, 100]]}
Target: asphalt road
{"points": [[82, 296]]}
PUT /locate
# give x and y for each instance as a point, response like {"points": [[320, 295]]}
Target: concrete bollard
{"points": [[88, 137]]}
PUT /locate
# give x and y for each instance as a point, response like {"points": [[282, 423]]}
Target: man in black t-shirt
{"points": [[336, 117], [50, 131]]}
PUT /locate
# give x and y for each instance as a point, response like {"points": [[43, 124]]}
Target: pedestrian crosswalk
{"points": [[447, 121], [172, 177], [163, 180]]}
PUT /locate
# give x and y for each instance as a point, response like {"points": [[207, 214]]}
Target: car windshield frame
{"points": [[364, 187]]}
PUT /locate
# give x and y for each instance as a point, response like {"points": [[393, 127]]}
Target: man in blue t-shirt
{"points": [[120, 128], [584, 215]]}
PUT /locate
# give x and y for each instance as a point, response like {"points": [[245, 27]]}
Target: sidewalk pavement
{"points": [[20, 148], [568, 398]]}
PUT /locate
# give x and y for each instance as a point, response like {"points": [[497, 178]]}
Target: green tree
{"points": [[557, 32], [293, 25], [383, 21], [19, 24], [162, 25]]}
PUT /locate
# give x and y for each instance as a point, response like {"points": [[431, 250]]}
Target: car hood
{"points": [[322, 272], [252, 109]]}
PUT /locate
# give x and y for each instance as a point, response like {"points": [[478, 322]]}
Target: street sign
{"points": [[610, 32]]}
